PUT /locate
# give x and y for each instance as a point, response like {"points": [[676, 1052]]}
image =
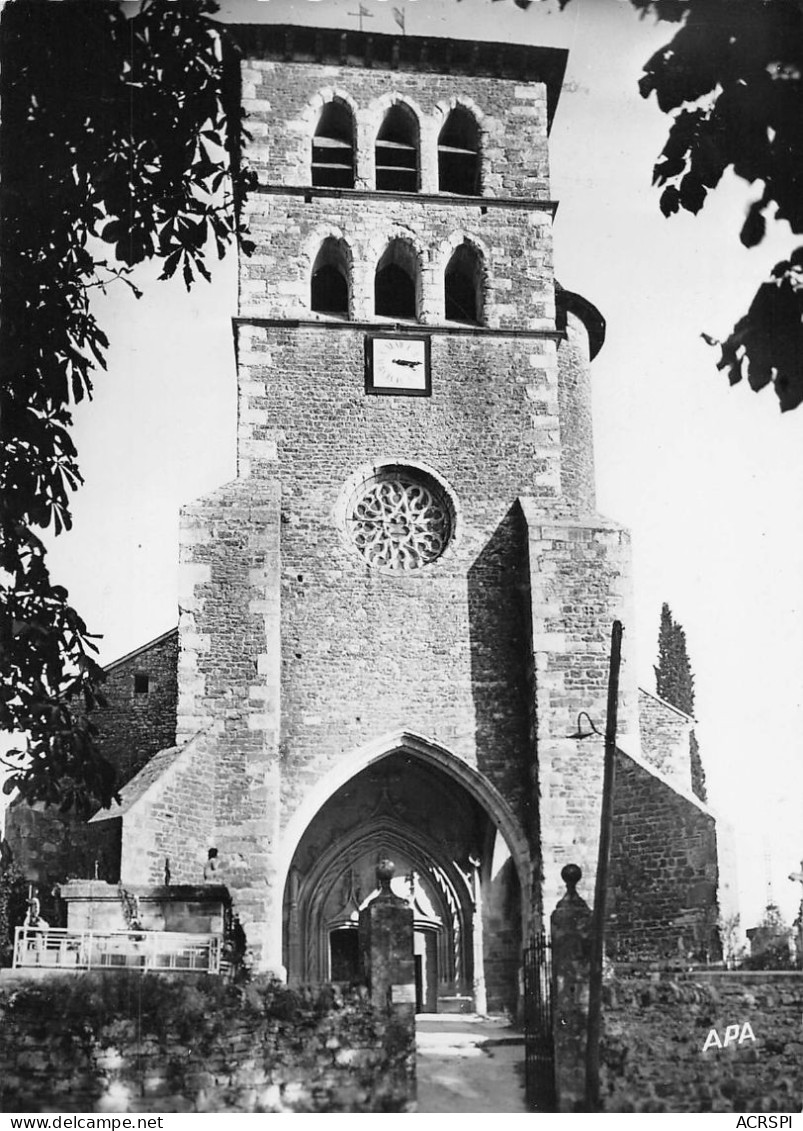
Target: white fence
{"points": [[64, 949]]}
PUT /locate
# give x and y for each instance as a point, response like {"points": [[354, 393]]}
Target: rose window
{"points": [[399, 520]]}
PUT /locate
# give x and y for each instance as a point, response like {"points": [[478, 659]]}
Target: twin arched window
{"points": [[397, 151], [397, 282]]}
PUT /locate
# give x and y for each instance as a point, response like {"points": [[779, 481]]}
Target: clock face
{"points": [[397, 364]]}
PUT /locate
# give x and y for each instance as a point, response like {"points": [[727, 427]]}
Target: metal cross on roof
{"points": [[362, 13]]}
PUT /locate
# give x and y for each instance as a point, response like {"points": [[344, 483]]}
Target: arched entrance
{"points": [[451, 865]]}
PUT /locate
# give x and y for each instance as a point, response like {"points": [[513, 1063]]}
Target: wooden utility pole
{"points": [[601, 885]]}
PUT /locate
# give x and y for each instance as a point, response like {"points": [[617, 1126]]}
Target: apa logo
{"points": [[734, 1034]]}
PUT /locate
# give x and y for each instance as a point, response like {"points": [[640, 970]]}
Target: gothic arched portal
{"points": [[451, 864]]}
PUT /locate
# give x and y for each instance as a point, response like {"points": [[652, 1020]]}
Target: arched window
{"points": [[329, 286], [333, 147], [396, 283], [397, 151], [462, 286], [459, 154]]}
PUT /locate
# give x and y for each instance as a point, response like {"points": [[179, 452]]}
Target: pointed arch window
{"points": [[397, 151], [459, 154], [462, 285], [396, 286], [329, 283], [333, 147]]}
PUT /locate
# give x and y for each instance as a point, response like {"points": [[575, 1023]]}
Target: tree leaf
{"points": [[692, 193], [754, 227], [670, 200]]}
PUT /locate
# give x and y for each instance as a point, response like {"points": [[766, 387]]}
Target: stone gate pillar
{"points": [[571, 964], [386, 947]]}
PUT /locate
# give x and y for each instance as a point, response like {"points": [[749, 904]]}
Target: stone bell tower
{"points": [[391, 619]]}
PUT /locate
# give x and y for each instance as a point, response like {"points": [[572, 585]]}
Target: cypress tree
{"points": [[673, 676], [674, 682]]}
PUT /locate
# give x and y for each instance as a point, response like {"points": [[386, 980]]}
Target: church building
{"points": [[390, 621]]}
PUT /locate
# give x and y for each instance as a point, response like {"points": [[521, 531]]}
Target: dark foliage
{"points": [[770, 945], [776, 957], [117, 140], [13, 905], [732, 80], [674, 682]]}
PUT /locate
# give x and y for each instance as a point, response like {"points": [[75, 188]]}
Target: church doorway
{"points": [[461, 885], [426, 970]]}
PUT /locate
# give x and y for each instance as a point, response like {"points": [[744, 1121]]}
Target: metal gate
{"points": [[539, 1050]]}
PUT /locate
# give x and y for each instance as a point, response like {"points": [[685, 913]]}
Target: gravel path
{"points": [[469, 1064]]}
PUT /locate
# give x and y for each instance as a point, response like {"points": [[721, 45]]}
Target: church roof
{"points": [[664, 703], [138, 786], [588, 314], [142, 648]]}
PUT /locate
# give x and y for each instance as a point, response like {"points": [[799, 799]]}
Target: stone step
{"points": [[440, 1034]]}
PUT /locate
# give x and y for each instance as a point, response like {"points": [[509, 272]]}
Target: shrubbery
{"points": [[771, 958], [13, 899]]}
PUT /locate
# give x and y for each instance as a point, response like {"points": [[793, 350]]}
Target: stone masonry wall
{"points": [[665, 738], [154, 1045], [578, 583], [513, 239], [284, 100], [136, 724], [439, 651], [490, 428], [514, 245], [576, 426], [655, 1029], [229, 686], [173, 822], [48, 845], [662, 901]]}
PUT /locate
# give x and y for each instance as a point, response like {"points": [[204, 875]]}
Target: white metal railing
{"points": [[66, 949]]}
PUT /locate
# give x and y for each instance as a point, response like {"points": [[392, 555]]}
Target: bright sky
{"points": [[703, 475]]}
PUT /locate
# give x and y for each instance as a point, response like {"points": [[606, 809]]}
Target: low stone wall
{"points": [[662, 893], [655, 1032], [150, 1043]]}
